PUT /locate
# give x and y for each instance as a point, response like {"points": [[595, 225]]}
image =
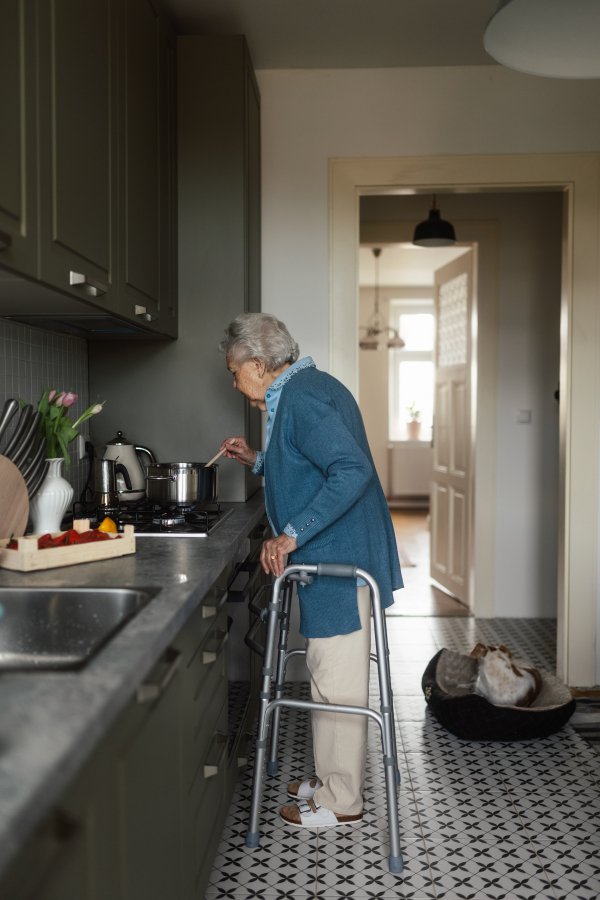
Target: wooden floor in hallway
{"points": [[420, 596]]}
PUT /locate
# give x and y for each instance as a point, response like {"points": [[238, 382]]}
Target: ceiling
{"points": [[403, 265], [339, 34]]}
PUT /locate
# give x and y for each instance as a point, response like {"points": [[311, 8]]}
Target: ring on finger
{"points": [[273, 557]]}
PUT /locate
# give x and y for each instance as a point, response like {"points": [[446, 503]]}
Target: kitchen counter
{"points": [[50, 722]]}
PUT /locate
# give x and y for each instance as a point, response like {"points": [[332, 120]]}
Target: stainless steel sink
{"points": [[62, 628]]}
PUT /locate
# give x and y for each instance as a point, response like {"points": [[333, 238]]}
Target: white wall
{"points": [[310, 116]]}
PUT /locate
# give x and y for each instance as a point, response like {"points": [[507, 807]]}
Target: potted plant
{"points": [[55, 494], [413, 426]]}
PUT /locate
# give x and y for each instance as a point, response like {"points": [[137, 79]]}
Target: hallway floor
{"points": [[420, 596], [477, 821]]}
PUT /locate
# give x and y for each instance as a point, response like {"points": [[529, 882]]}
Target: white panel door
{"points": [[451, 488]]}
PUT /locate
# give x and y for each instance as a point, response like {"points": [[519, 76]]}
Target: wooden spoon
{"points": [[220, 453], [14, 502]]}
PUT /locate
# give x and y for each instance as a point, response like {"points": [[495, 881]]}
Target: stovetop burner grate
{"points": [[152, 519]]}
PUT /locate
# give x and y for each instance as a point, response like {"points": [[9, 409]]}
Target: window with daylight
{"points": [[411, 368]]}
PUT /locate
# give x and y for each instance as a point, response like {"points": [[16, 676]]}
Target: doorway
{"points": [[517, 237]]}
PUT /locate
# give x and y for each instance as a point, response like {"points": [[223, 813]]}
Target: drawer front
{"points": [[202, 619], [208, 794], [205, 692]]}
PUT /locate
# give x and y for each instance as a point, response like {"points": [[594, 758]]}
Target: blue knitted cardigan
{"points": [[321, 487]]}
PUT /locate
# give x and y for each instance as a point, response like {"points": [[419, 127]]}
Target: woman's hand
{"points": [[273, 552], [237, 448]]}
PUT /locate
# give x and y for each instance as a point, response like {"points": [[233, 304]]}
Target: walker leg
{"points": [[273, 764], [389, 677], [253, 833], [396, 863]]}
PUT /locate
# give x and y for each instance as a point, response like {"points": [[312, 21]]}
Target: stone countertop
{"points": [[51, 721]]}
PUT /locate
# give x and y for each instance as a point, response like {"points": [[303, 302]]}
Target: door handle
{"points": [[152, 690], [91, 286], [212, 768]]}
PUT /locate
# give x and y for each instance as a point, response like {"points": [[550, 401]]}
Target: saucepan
{"points": [[182, 484]]}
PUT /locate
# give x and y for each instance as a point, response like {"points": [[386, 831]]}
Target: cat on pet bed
{"points": [[501, 681]]}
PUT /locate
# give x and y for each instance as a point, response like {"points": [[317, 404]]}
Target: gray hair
{"points": [[259, 336]]}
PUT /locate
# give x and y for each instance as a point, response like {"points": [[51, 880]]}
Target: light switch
{"points": [[524, 417]]}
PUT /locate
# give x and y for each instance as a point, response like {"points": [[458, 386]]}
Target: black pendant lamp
{"points": [[434, 232]]}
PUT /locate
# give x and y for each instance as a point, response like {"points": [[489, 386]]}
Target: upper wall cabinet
{"points": [[18, 174], [78, 147], [148, 166], [87, 98]]}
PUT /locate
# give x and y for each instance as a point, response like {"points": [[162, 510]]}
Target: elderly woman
{"points": [[325, 504]]}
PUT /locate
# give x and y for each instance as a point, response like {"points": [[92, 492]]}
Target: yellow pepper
{"points": [[108, 525]]}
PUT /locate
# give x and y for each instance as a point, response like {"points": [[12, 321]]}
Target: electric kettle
{"points": [[127, 454]]}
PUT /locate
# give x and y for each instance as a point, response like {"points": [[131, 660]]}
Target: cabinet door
{"points": [[150, 798], [18, 173], [78, 147]]}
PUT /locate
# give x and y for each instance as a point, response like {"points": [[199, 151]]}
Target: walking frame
{"points": [[277, 612]]}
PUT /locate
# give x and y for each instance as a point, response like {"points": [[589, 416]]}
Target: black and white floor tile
{"points": [[478, 821]]}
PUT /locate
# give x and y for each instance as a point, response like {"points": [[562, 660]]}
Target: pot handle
{"points": [[161, 477], [148, 453], [121, 470]]}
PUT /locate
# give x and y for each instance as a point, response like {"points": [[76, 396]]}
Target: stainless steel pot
{"points": [[182, 484]]}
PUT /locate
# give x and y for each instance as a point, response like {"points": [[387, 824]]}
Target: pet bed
{"points": [[448, 683]]}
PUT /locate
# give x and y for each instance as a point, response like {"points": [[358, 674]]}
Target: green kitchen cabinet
{"points": [[147, 166], [18, 154], [78, 164]]}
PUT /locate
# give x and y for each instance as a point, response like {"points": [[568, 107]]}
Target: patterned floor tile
{"points": [[468, 817], [569, 818], [345, 873], [528, 772], [574, 871], [453, 770], [487, 870]]}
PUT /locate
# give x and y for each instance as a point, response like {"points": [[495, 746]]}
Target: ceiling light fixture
{"points": [[434, 231], [376, 326], [554, 38]]}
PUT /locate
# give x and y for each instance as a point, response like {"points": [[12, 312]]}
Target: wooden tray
{"points": [[27, 558]]}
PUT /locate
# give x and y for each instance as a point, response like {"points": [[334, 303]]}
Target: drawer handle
{"points": [[143, 313], [211, 656], [5, 240], [152, 690], [209, 610], [93, 287], [212, 769]]}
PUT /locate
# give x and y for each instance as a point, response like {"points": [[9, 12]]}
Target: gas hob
{"points": [[154, 520]]}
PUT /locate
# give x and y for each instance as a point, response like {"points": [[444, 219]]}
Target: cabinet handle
{"points": [[209, 610], [93, 287], [212, 769], [211, 656], [152, 690], [5, 240], [243, 760], [144, 314]]}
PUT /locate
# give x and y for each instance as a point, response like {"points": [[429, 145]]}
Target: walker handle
{"points": [[336, 570]]}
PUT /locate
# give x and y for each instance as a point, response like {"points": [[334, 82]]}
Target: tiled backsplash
{"points": [[31, 359]]}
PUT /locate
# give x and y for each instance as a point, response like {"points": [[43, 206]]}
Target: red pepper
{"points": [[45, 541], [91, 537], [67, 538], [12, 545]]}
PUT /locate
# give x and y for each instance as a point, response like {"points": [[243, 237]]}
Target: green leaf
{"points": [[63, 446]]}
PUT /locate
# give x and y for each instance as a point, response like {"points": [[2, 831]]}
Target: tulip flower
{"points": [[51, 396], [69, 399], [96, 409], [59, 400]]}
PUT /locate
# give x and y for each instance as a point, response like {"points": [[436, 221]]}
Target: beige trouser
{"points": [[339, 673]]}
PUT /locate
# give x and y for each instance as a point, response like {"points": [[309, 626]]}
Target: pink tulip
{"points": [[59, 399], [69, 399], [51, 396]]}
